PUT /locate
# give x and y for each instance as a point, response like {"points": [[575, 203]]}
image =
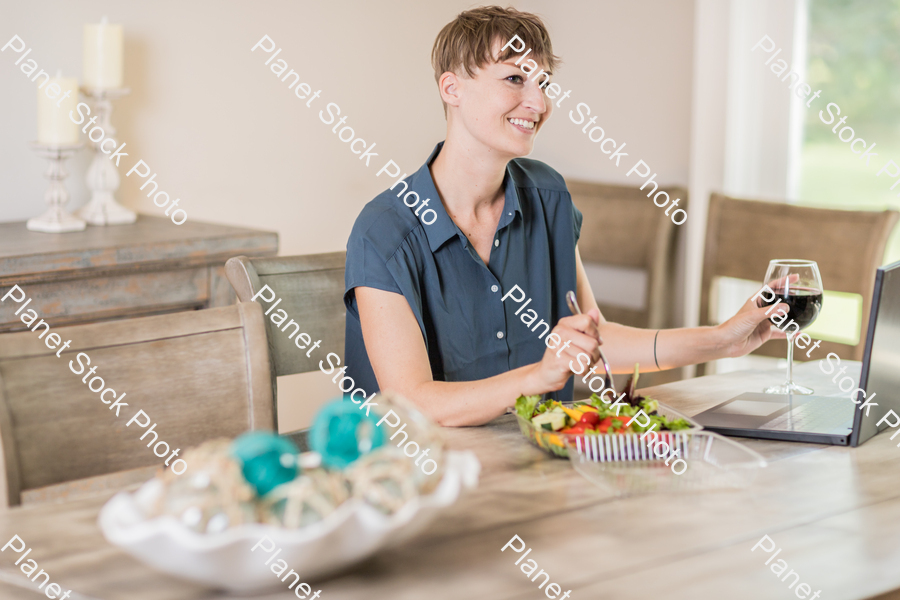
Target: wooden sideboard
{"points": [[102, 273]]}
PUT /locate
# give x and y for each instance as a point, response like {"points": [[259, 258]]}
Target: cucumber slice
{"points": [[552, 420]]}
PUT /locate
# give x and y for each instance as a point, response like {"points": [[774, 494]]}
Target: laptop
{"points": [[828, 419]]}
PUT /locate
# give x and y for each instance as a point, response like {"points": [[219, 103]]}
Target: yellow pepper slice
{"points": [[574, 413]]}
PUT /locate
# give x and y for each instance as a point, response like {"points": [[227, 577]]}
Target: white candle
{"points": [[103, 55], [55, 99]]}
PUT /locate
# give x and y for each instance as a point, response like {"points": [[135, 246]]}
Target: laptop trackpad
{"points": [[753, 410]]}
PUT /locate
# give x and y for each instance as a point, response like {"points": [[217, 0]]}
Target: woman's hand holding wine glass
{"points": [[747, 330], [798, 286]]}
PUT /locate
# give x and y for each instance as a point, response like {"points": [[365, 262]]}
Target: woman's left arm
{"points": [[624, 345]]}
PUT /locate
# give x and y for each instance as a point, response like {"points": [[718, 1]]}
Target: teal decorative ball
{"points": [[342, 433], [267, 460]]}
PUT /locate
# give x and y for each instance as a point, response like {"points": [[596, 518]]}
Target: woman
{"points": [[436, 308]]}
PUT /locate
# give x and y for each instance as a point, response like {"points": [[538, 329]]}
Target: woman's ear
{"points": [[450, 88]]}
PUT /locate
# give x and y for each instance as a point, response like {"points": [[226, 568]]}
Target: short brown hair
{"points": [[467, 40]]}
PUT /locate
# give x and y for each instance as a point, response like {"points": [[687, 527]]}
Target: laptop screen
{"points": [[881, 363]]}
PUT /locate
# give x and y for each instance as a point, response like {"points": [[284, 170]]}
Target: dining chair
{"points": [[642, 237], [197, 375], [311, 292], [742, 236]]}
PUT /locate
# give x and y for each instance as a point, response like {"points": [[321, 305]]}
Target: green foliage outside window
{"points": [[854, 58], [853, 55]]}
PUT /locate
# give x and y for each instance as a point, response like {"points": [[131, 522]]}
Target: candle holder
{"points": [[56, 219], [102, 176]]}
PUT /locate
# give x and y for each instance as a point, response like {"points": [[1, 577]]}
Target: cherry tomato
{"points": [[576, 429], [590, 419]]}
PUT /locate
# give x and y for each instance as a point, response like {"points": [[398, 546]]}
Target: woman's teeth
{"points": [[522, 123]]}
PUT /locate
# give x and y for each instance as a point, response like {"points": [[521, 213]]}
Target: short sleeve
{"points": [[365, 267], [577, 218]]}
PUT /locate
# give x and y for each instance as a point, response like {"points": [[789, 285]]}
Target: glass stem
{"points": [[790, 360]]}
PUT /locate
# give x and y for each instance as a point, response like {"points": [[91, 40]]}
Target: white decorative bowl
{"points": [[225, 561]]}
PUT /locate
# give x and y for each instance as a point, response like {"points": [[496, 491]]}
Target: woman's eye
{"points": [[515, 78]]}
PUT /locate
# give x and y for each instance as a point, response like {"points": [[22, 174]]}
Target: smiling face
{"points": [[498, 108]]}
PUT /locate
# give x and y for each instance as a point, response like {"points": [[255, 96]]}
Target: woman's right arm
{"points": [[399, 359]]}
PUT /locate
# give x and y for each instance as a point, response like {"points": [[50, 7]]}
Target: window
{"points": [[853, 56]]}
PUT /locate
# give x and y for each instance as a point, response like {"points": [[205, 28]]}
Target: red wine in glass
{"points": [[802, 303], [796, 289]]}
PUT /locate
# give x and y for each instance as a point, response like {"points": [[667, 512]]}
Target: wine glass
{"points": [[797, 300]]}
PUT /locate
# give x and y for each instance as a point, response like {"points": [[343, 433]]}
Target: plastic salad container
{"points": [[555, 442]]}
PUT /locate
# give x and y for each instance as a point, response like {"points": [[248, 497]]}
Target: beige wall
{"points": [[228, 139]]}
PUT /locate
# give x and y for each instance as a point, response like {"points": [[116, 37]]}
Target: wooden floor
{"points": [[834, 511]]}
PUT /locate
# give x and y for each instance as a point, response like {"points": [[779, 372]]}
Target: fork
{"points": [[576, 310]]}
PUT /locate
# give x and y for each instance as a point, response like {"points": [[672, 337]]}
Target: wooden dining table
{"points": [[834, 513]]}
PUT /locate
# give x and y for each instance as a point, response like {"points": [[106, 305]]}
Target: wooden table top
{"points": [[834, 512]]}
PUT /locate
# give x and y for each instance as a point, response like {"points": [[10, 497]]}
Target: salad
{"points": [[597, 415]]}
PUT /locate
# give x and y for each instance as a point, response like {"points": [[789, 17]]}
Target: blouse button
{"points": [[499, 335], [496, 243], [494, 288]]}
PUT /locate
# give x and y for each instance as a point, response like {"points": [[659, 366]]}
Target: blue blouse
{"points": [[469, 332]]}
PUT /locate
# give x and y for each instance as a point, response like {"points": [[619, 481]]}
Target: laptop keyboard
{"points": [[822, 415]]}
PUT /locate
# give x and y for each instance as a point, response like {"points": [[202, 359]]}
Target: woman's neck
{"points": [[468, 176]]}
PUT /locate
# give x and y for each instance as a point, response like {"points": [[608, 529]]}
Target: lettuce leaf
{"points": [[649, 405], [525, 405]]}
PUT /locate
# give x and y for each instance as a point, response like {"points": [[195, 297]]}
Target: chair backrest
{"points": [[742, 236], [311, 290], [622, 227], [197, 375]]}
